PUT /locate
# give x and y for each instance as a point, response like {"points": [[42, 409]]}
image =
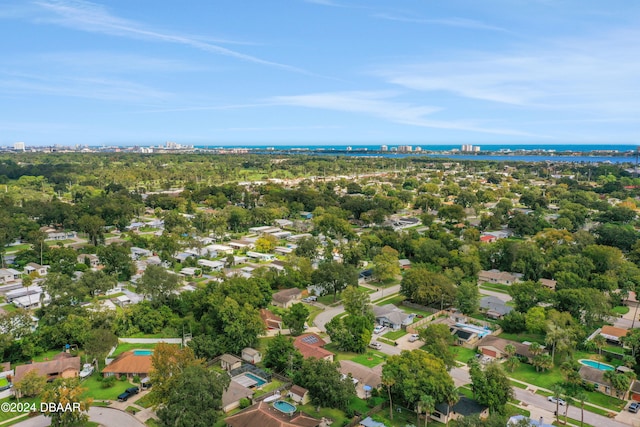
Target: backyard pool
{"points": [[597, 365], [142, 352], [284, 407], [249, 380]]}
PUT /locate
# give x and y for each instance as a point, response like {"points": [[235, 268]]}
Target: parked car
{"points": [[375, 344], [553, 399], [131, 391], [634, 407], [378, 329], [414, 337], [310, 298]]}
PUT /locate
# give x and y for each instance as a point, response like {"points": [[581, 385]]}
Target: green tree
{"points": [[558, 392], [168, 363], [350, 333], [425, 405], [266, 243], [64, 391], [196, 398], [325, 384], [437, 341], [415, 373], [468, 297], [385, 265], [356, 302], [157, 284], [599, 341], [116, 260], [241, 326], [307, 247], [491, 386], [282, 356], [99, 343], [536, 320], [31, 384], [632, 340], [92, 225], [333, 277], [426, 287], [97, 282], [295, 318]]}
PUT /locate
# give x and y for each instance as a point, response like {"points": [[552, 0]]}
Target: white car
{"points": [[414, 337], [375, 344], [553, 399], [378, 329]]}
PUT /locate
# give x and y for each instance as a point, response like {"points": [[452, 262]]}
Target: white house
{"points": [[213, 265], [260, 256], [8, 275], [32, 267]]}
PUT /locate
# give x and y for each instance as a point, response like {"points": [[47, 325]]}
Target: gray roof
{"points": [[464, 407], [495, 304], [391, 312]]}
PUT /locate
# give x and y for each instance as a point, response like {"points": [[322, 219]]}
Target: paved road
{"points": [[107, 417], [329, 313], [500, 295], [544, 407]]}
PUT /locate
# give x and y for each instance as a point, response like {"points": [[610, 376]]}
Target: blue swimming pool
{"points": [[142, 352], [597, 365], [259, 381], [284, 407]]}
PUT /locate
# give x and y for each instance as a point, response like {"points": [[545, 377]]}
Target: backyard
{"points": [[97, 392]]}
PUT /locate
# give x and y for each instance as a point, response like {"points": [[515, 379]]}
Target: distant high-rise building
{"points": [[405, 148], [476, 148], [466, 148], [384, 148], [18, 146], [418, 149]]}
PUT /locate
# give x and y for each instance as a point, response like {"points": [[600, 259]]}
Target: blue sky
{"points": [[307, 72]]}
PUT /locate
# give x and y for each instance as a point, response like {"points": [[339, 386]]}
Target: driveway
{"points": [[107, 417]]}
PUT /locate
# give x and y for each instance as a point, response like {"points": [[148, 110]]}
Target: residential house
{"points": [[405, 264], [63, 365], [364, 376], [284, 223], [8, 275], [32, 267], [32, 301], [260, 256], [613, 334], [212, 265], [306, 215], [271, 321], [493, 346], [277, 265], [465, 407], [229, 362], [391, 316], [251, 355], [286, 297], [53, 234], [220, 249], [488, 238], [138, 253], [310, 345], [595, 377], [548, 283], [130, 364], [265, 415], [190, 271], [283, 250], [233, 394], [366, 275], [90, 259], [296, 237], [299, 394], [500, 277], [33, 290], [634, 392], [494, 307], [241, 244]]}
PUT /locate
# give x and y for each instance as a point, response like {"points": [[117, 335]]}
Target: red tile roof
{"points": [[129, 363], [263, 415]]}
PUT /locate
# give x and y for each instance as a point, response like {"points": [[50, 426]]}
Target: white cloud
{"points": [[91, 17], [450, 22], [380, 105]]}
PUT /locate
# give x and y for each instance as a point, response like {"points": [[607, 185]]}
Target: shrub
{"points": [[136, 379], [244, 403], [123, 377], [108, 382]]}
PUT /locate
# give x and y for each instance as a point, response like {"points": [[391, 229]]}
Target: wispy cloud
{"points": [[273, 128], [330, 3], [450, 22], [595, 75], [91, 17], [380, 104]]}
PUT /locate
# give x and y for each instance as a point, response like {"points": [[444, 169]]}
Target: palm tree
{"points": [[581, 396], [453, 395], [599, 341], [389, 381], [426, 404], [510, 349], [557, 393]]}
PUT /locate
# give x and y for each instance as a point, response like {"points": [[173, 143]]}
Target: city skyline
{"points": [[318, 72]]}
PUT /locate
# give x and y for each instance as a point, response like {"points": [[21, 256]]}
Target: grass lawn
{"points": [[328, 299], [496, 287], [18, 248], [336, 415], [370, 358], [9, 308], [462, 354], [59, 242], [125, 346], [153, 423], [313, 312], [394, 335], [274, 384], [143, 335], [396, 300], [523, 336], [605, 401], [96, 391], [621, 309], [46, 355], [144, 401], [528, 374], [517, 384]]}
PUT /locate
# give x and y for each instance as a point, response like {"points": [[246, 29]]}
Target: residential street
{"points": [[106, 417]]}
